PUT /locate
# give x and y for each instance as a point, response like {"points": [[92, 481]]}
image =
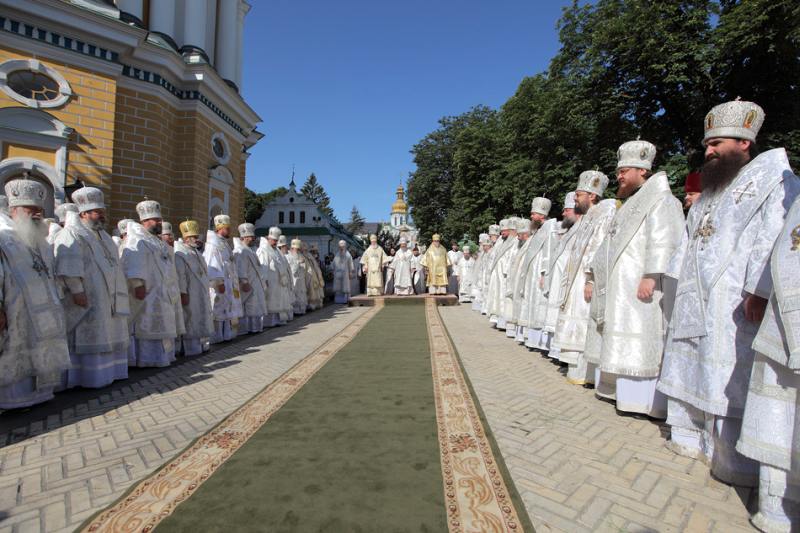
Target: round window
{"points": [[220, 148], [33, 85]]}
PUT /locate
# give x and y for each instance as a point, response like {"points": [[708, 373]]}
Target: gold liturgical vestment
{"points": [[436, 261], [374, 260]]}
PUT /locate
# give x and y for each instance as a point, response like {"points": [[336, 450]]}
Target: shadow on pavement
{"points": [[74, 405]]}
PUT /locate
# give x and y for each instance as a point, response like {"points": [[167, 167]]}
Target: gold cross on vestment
{"points": [[705, 231], [795, 239]]}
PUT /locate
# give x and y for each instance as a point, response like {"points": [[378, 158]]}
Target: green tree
{"points": [[255, 203], [356, 223], [313, 190]]}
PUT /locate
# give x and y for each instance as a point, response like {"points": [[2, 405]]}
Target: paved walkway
{"points": [[578, 465], [65, 460]]}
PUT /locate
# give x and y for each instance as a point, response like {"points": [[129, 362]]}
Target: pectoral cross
{"points": [[738, 194], [795, 239], [39, 266], [705, 231]]}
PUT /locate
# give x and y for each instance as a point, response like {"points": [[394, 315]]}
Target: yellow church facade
{"points": [[139, 98]]}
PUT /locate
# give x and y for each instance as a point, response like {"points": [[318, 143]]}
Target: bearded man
{"points": [[96, 304], [436, 264], [511, 307], [279, 279], [401, 272], [251, 281], [193, 281], [33, 348], [373, 261], [343, 274], [574, 302], [570, 224], [537, 265], [224, 289], [299, 278], [156, 314], [723, 287], [499, 272]]}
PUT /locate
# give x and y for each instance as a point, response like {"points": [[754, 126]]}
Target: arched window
{"points": [[291, 217]]}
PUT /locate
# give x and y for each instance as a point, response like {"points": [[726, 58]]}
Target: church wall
{"points": [[90, 112]]}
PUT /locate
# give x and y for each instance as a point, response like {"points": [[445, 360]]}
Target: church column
{"points": [[227, 39], [195, 25], [162, 17], [134, 7], [244, 7]]}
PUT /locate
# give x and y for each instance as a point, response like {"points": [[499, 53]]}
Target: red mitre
{"points": [[692, 182]]}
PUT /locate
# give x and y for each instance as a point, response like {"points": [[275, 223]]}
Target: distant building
{"points": [[399, 224], [299, 217]]}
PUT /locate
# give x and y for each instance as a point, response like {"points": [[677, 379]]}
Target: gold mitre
{"points": [[436, 237], [190, 228]]}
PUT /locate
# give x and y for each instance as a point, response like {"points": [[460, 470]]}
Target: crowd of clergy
{"points": [[79, 306], [693, 318]]}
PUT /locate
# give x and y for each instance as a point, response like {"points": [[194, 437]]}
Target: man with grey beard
{"points": [[96, 303], [33, 347], [723, 286]]}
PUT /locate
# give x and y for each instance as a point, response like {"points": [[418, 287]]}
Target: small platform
{"points": [[367, 301]]}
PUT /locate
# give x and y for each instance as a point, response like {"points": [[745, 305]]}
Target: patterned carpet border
{"points": [[476, 495], [156, 497]]}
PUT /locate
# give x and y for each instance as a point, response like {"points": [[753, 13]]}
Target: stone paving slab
{"points": [[578, 465], [67, 459]]}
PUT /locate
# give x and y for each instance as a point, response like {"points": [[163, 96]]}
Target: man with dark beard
{"points": [[723, 286], [193, 281], [156, 314], [33, 347], [96, 303]]}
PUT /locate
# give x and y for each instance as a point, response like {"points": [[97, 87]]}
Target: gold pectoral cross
{"points": [[795, 239], [705, 231]]}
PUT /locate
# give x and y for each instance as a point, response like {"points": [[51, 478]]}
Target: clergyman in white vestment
{"points": [[193, 281], [33, 345], [723, 288], [96, 301], [224, 290], [344, 272]]}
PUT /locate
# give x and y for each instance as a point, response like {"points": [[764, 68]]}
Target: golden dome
{"points": [[399, 205]]}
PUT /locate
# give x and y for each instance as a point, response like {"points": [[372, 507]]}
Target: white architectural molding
{"points": [[13, 65]]}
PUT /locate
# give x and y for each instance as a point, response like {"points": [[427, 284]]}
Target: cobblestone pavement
{"points": [[578, 465], [63, 461]]}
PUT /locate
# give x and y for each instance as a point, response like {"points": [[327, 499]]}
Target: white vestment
{"points": [[299, 282], [642, 236], [723, 257], [534, 305], [487, 276], [573, 318], [455, 257], [552, 290], [33, 347], [344, 271], [88, 262], [476, 281], [465, 279], [771, 423], [193, 281], [280, 296], [498, 272], [254, 301], [227, 305], [154, 321], [373, 260], [401, 272], [420, 286], [511, 302]]}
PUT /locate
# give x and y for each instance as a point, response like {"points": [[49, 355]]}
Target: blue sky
{"points": [[345, 88]]}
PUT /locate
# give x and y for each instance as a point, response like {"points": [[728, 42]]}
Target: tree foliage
{"points": [[356, 223], [313, 190], [254, 202], [626, 68]]}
